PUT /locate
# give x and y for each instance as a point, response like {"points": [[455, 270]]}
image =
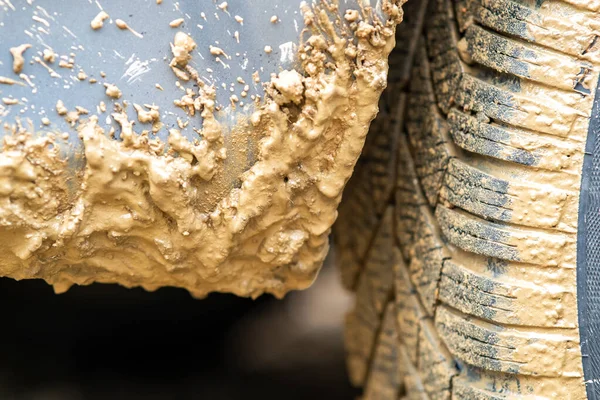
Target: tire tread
{"points": [[491, 117]]}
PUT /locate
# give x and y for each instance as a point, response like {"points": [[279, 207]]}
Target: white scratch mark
{"points": [[136, 70], [39, 38], [69, 32], [131, 59]]}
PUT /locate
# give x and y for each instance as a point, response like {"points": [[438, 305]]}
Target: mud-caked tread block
{"points": [[427, 130], [514, 145], [359, 334], [399, 59], [508, 105], [413, 387], [524, 60], [409, 311], [483, 194], [527, 23], [361, 327], [436, 365], [380, 262], [479, 137], [380, 152], [504, 241], [477, 96], [384, 380], [427, 257], [476, 295], [373, 293], [509, 350], [477, 192], [441, 43], [478, 384], [472, 236], [476, 287], [408, 199], [439, 33], [358, 220], [423, 348]]}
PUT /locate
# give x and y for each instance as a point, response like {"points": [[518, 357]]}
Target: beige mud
{"points": [[142, 216]]}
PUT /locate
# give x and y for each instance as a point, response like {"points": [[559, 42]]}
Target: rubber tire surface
{"points": [[459, 229]]}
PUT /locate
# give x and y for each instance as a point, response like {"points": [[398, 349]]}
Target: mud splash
{"points": [[142, 216]]}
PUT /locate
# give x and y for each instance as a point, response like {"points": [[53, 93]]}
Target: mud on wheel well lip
{"points": [[587, 310]]}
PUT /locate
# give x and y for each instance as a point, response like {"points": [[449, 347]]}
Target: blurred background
{"points": [[108, 342]]}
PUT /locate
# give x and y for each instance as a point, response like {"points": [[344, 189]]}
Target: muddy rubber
{"points": [[459, 230], [588, 256]]}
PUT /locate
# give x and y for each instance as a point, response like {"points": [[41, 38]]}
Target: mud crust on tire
{"points": [[458, 230], [588, 256]]}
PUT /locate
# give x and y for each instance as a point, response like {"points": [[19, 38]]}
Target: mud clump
{"points": [[139, 215]]}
